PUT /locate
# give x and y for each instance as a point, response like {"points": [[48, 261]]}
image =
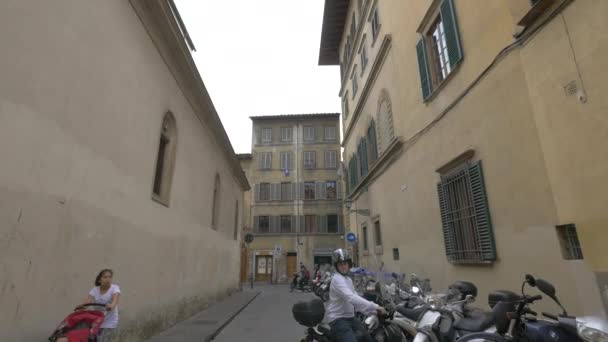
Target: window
{"points": [[347, 51], [330, 190], [285, 224], [395, 253], [264, 192], [377, 233], [286, 134], [236, 220], [354, 82], [345, 109], [265, 160], [331, 159], [571, 247], [363, 58], [330, 133], [309, 159], [362, 154], [165, 160], [371, 138], [309, 190], [365, 241], [266, 135], [309, 133], [386, 132], [286, 194], [439, 49], [465, 215], [375, 23], [310, 223], [263, 224], [286, 160], [215, 202], [332, 224]]}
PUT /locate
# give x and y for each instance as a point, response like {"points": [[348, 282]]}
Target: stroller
{"points": [[82, 325]]}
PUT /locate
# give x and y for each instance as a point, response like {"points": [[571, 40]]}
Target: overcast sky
{"points": [[260, 58]]}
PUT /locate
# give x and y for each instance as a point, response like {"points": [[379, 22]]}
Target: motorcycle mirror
{"points": [[530, 280], [415, 289], [545, 287]]}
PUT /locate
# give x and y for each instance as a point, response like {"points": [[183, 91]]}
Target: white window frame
{"points": [[266, 138], [284, 156], [309, 133], [310, 161], [286, 134], [332, 157], [334, 133], [266, 160]]}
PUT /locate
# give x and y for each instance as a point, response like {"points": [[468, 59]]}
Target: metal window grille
{"points": [[571, 245], [377, 233], [395, 253]]}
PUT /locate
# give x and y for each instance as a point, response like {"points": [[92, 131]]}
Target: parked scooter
{"points": [[299, 282], [523, 324]]}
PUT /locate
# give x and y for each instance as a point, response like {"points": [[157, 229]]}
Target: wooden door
{"points": [[263, 268], [292, 264], [244, 264]]}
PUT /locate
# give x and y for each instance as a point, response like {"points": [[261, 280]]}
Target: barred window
{"points": [[571, 247], [465, 215]]}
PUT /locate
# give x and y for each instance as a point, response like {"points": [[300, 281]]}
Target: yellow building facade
{"points": [[474, 134], [295, 204]]}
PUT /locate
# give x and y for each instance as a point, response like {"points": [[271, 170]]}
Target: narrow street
{"points": [[267, 318]]}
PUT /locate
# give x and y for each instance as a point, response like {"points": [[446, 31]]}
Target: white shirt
{"points": [[111, 320], [343, 300]]}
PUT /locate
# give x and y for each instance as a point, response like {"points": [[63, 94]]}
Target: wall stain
{"points": [[17, 310]]}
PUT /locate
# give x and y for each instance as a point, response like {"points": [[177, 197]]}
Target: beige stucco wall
{"points": [[540, 148], [83, 93]]}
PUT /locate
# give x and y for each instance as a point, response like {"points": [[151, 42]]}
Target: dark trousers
{"points": [[349, 330]]}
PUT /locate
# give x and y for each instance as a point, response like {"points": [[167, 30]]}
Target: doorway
{"points": [[263, 268], [322, 260], [292, 264]]}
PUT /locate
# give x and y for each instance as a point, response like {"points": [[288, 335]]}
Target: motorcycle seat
{"points": [[413, 314], [475, 321]]}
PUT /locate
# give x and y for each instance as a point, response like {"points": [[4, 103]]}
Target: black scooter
{"points": [[525, 326]]}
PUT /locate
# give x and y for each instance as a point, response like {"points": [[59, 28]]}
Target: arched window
{"points": [[385, 121], [216, 202], [165, 160]]}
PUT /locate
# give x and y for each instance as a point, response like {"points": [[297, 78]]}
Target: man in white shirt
{"points": [[344, 300]]}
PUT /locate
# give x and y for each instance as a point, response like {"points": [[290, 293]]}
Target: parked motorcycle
{"points": [[523, 324], [298, 282]]}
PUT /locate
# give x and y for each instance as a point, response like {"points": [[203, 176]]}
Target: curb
{"points": [[230, 319]]}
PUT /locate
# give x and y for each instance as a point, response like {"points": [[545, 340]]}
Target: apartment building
{"points": [[295, 213], [473, 137]]}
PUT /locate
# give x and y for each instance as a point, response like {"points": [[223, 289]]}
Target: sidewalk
{"points": [[205, 325]]}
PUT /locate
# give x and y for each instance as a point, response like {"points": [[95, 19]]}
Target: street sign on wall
{"points": [[351, 238]]}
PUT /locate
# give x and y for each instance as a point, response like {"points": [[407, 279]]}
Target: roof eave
{"points": [[334, 19]]}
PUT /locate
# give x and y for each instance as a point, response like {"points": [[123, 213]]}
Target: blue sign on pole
{"points": [[351, 238]]}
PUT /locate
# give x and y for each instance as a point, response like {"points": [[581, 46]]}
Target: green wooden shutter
{"points": [[363, 157], [448, 230], [373, 144], [425, 76], [452, 36], [483, 221]]}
